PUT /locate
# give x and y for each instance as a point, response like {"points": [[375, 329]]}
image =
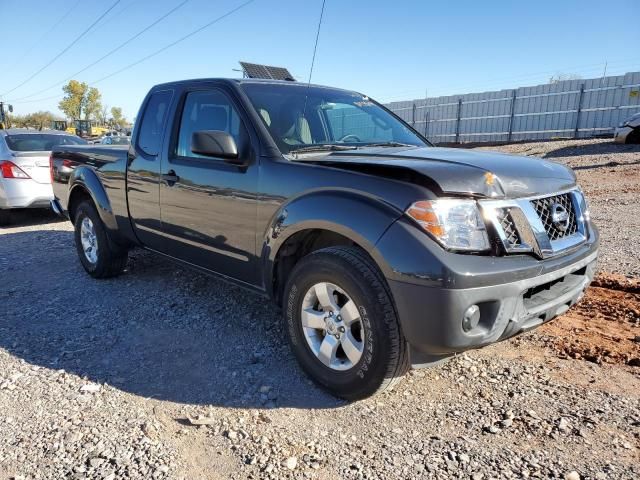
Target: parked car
{"points": [[382, 251], [25, 181], [115, 140], [629, 130]]}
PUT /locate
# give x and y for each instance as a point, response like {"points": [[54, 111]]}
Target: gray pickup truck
{"points": [[381, 250]]}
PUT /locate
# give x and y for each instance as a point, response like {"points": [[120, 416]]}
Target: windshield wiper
{"points": [[387, 144], [320, 147]]}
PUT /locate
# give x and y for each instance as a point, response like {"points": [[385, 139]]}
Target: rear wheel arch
{"points": [[77, 195], [81, 193], [86, 179]]}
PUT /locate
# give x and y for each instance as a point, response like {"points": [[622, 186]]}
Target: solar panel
{"points": [[254, 70]]}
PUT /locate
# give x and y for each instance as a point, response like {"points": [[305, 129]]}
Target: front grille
{"points": [[509, 227], [544, 206]]}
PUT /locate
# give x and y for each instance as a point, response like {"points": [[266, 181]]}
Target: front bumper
{"points": [[513, 293], [24, 193]]}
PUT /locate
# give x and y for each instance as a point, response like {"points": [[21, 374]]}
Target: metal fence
{"points": [[569, 108]]}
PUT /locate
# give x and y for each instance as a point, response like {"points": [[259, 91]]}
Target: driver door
{"points": [[209, 206]]}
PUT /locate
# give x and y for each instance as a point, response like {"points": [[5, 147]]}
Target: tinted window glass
{"points": [[206, 110], [152, 123], [120, 140], [39, 142], [115, 140]]}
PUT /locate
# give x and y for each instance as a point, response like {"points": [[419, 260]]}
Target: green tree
{"points": [[75, 100], [93, 105], [118, 119], [103, 117]]}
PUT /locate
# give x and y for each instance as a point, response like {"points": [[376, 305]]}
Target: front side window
{"points": [[298, 116], [206, 110], [153, 121]]}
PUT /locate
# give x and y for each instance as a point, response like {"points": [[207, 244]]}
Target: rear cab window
{"points": [[153, 122]]}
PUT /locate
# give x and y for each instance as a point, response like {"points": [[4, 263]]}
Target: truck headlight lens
{"points": [[456, 224]]}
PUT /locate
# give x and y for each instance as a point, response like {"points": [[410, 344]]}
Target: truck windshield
{"points": [[301, 118]]}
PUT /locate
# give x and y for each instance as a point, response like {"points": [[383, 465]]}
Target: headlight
{"points": [[455, 224]]}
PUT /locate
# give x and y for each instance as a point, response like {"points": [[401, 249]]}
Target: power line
{"points": [[36, 100], [111, 52], [172, 44], [117, 14], [46, 34], [65, 49], [160, 50]]}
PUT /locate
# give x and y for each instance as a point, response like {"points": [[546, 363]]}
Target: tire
{"points": [[103, 260], [633, 137], [5, 217], [349, 274]]}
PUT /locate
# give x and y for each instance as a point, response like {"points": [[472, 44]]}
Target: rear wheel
{"points": [[342, 324], [99, 257]]}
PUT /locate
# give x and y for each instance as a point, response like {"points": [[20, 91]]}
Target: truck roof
{"points": [[238, 81]]}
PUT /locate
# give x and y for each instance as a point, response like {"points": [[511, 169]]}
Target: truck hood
{"points": [[458, 171]]}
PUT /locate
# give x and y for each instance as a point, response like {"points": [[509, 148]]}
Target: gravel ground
{"points": [[167, 373]]}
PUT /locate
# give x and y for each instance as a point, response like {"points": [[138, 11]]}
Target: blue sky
{"points": [[391, 50]]}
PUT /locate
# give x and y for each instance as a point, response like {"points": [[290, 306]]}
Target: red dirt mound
{"points": [[604, 327]]}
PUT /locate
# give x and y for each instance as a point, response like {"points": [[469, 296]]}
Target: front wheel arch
{"points": [[306, 241], [348, 217]]}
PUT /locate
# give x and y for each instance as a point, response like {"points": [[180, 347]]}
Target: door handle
{"points": [[170, 177]]}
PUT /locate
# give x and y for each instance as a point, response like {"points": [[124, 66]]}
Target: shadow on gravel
{"points": [[592, 149], [158, 331], [28, 217], [611, 164]]}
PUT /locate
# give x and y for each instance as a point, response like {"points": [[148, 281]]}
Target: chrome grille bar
{"points": [[523, 228]]}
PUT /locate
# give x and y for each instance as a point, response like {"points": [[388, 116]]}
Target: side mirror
{"points": [[214, 143]]}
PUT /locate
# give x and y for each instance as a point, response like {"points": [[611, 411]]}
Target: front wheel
{"points": [[342, 324], [99, 257], [633, 137]]}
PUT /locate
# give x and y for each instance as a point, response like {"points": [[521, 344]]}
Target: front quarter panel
{"points": [[353, 215]]}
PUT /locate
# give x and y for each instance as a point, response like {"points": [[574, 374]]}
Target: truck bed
{"points": [[108, 162]]}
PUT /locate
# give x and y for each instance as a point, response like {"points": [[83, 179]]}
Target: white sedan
{"points": [[25, 180]]}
